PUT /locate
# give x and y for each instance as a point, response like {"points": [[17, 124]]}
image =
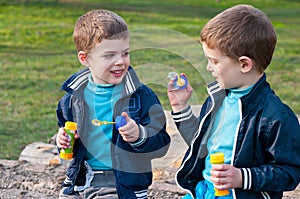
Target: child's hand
{"points": [[62, 139], [225, 176], [179, 98], [129, 132]]}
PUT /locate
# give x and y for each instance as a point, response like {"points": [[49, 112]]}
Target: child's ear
{"points": [[82, 56], [246, 64]]}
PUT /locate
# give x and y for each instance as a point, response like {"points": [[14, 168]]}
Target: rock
{"points": [[23, 179], [39, 152]]}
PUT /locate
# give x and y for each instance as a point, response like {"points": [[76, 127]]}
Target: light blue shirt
{"points": [[224, 128], [100, 100]]}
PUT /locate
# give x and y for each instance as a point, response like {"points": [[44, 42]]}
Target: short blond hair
{"points": [[96, 25], [242, 30]]}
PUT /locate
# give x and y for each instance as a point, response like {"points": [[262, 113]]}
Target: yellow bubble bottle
{"points": [[218, 158], [70, 129]]}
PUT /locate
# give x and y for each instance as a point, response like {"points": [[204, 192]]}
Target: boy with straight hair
{"points": [[242, 117]]}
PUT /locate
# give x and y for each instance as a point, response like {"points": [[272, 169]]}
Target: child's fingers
{"points": [[130, 131], [183, 74], [170, 86], [76, 136], [218, 167], [62, 139], [128, 136], [124, 114]]}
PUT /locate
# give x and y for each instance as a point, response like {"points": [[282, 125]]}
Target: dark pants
{"points": [[103, 185]]}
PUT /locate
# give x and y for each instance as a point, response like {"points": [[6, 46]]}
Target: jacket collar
{"points": [[218, 94], [80, 79], [256, 94]]}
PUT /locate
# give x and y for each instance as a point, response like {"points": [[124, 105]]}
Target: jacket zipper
{"points": [[235, 139], [190, 154]]}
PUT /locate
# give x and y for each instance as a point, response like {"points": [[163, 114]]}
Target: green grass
{"points": [[37, 54]]}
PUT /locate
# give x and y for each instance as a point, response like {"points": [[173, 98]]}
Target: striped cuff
{"points": [[67, 181], [142, 138], [247, 179], [141, 194], [182, 115]]}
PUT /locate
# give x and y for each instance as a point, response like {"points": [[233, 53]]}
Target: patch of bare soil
{"points": [[22, 179]]}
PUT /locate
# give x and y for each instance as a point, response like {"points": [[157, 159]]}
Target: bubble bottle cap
{"points": [[217, 158], [66, 156], [71, 125], [120, 121], [180, 81]]}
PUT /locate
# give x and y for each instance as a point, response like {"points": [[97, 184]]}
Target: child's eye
{"points": [[109, 55], [126, 53], [212, 61]]}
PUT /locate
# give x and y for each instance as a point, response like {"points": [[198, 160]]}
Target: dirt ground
{"points": [[21, 179]]}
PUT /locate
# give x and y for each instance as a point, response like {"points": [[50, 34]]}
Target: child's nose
{"points": [[209, 67], [119, 61]]}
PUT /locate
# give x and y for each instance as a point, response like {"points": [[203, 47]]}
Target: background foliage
{"points": [[37, 54]]}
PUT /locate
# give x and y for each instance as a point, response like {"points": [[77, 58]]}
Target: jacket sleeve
{"points": [[281, 170], [154, 139], [187, 124], [64, 110]]}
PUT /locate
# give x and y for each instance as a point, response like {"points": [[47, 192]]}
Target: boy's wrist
{"points": [[141, 139], [179, 107]]}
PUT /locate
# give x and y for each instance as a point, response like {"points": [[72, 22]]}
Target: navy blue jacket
{"points": [[266, 146], [131, 162]]}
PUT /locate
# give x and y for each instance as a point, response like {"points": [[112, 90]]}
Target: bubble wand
{"points": [[120, 121], [97, 122]]}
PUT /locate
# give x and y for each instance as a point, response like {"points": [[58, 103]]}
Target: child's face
{"points": [[226, 71], [109, 61]]}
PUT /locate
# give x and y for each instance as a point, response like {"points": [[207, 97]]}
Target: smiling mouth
{"points": [[117, 72]]}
